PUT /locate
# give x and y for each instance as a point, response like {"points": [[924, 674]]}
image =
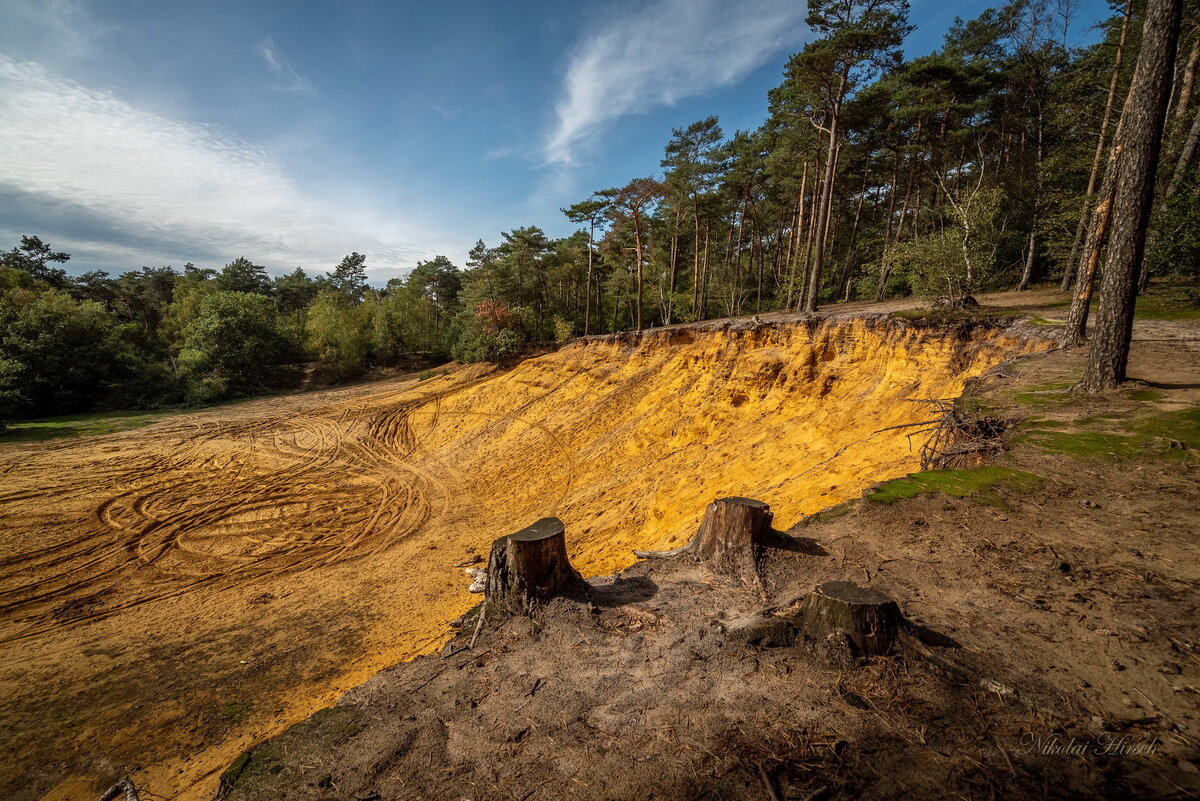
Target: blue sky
{"points": [[148, 133]]}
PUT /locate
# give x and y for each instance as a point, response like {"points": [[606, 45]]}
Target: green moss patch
{"points": [[1182, 426], [980, 484], [1042, 398], [1174, 434], [1042, 422], [1085, 444]]}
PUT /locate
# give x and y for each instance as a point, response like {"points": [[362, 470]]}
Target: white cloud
{"points": [[668, 50], [88, 171], [64, 26], [286, 79]]}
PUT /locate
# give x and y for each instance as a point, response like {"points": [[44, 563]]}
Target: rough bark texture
{"points": [[1076, 330], [1101, 146], [729, 538], [1186, 154], [1138, 143], [730, 535], [530, 567], [868, 618], [1188, 81]]}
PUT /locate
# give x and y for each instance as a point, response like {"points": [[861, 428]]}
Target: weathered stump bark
{"points": [[729, 538], [868, 618], [530, 567]]}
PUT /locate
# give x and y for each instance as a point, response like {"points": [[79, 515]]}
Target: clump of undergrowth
{"points": [[965, 432], [979, 484]]}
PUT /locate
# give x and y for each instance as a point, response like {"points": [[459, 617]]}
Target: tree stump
{"points": [[730, 535], [870, 619], [530, 567]]}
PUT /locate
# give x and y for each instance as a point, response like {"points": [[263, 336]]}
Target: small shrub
{"points": [[563, 329]]}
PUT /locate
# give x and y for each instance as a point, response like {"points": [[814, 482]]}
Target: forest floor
{"points": [[172, 595], [1059, 580]]}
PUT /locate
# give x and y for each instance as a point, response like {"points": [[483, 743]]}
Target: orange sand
{"points": [[173, 594]]}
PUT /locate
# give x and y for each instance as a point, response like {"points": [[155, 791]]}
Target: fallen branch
{"points": [[478, 626], [958, 436], [125, 785]]}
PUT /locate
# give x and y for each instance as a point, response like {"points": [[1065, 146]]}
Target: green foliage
{"points": [[69, 352], [563, 330], [232, 347], [956, 259], [349, 278], [340, 334], [34, 257], [242, 275], [11, 398], [476, 345], [492, 333]]}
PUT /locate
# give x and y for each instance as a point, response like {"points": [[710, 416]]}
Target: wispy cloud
{"points": [[667, 50], [66, 25], [286, 79], [91, 172]]}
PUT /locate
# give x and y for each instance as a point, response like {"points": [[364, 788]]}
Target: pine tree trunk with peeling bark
{"points": [[1069, 274], [1138, 141]]}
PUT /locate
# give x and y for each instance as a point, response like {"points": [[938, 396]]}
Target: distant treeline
{"points": [[982, 165]]}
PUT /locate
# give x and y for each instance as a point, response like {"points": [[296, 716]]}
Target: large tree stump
{"points": [[530, 567], [729, 538], [868, 618]]}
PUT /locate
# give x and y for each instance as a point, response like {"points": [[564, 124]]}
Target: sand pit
{"points": [[171, 595]]}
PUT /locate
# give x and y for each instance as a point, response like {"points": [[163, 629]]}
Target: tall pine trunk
{"points": [[1138, 142], [1098, 159], [814, 276]]}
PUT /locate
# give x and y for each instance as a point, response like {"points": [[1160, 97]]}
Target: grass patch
{"points": [[1170, 304], [1043, 321], [1042, 398], [1145, 395], [81, 425], [1085, 444], [1049, 393], [1182, 426], [1043, 422], [1170, 434], [980, 484], [234, 771]]}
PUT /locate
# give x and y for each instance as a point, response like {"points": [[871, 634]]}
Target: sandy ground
{"points": [[171, 595], [1057, 624]]}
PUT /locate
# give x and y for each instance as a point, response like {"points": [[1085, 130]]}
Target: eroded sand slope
{"points": [[173, 594]]}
